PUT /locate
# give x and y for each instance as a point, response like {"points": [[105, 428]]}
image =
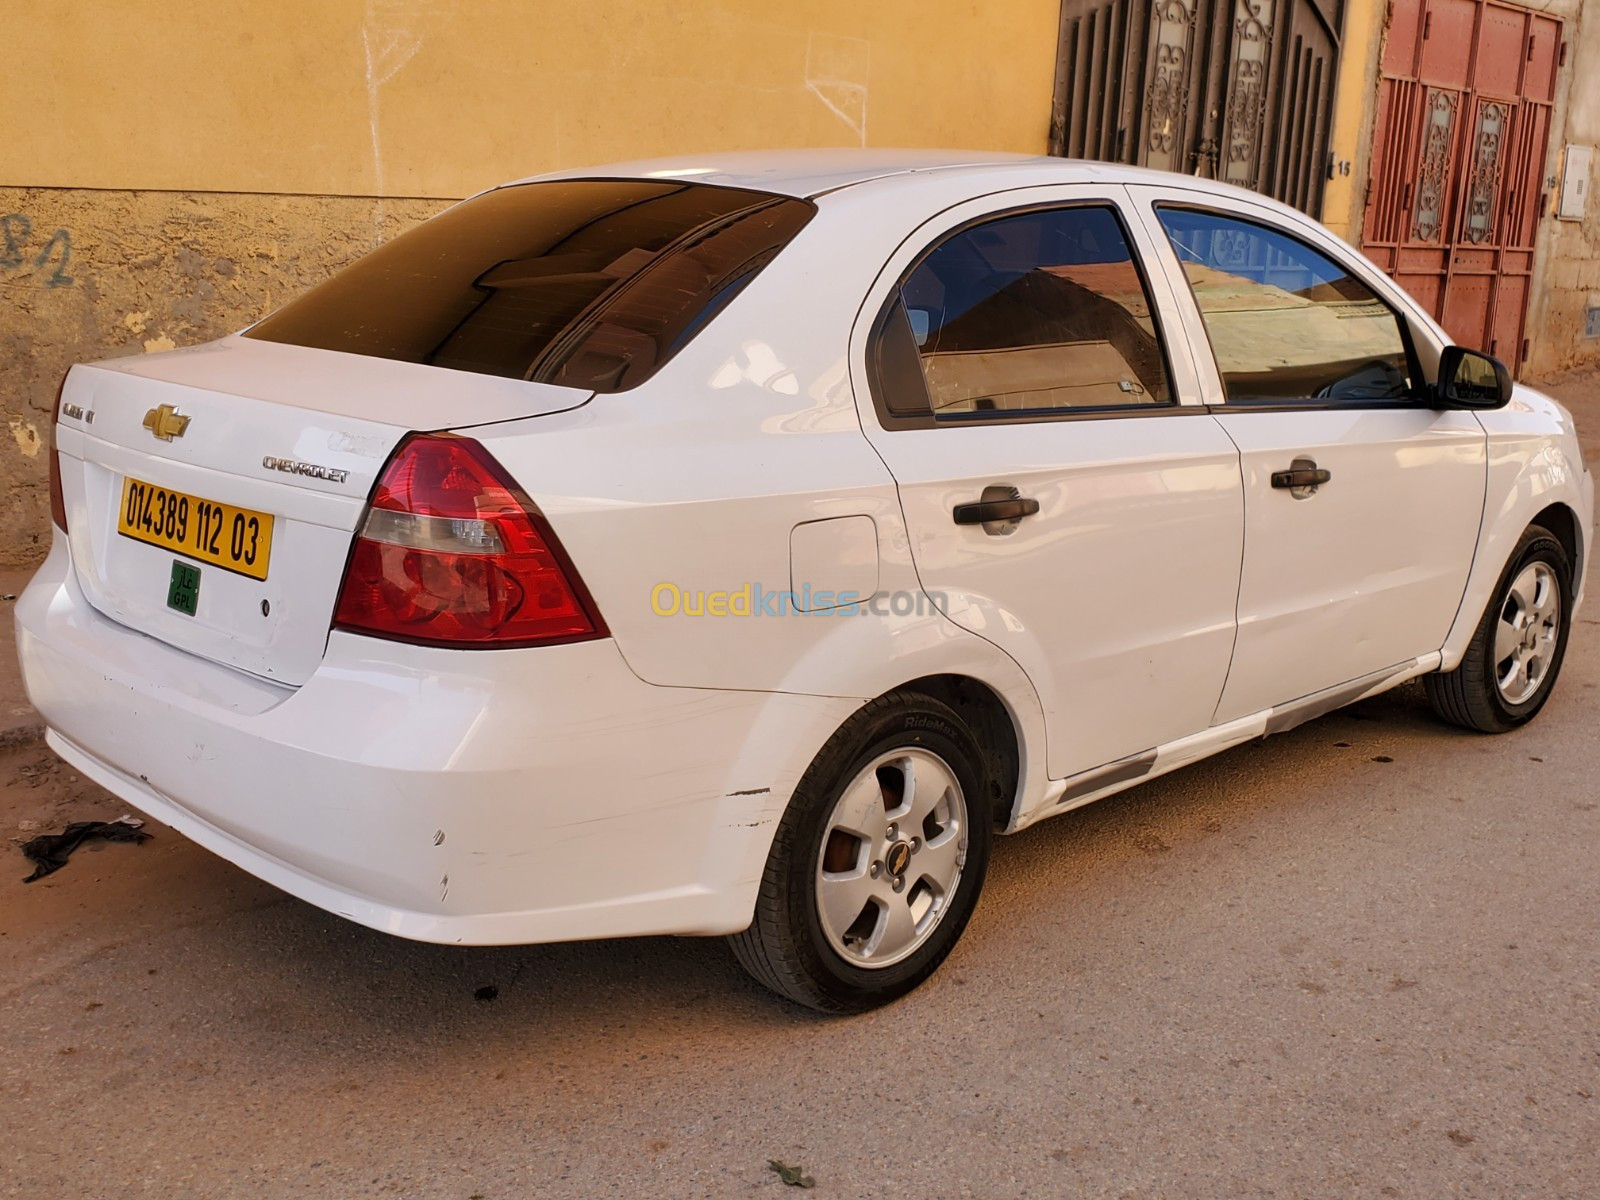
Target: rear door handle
{"points": [[981, 512], [1301, 477]]}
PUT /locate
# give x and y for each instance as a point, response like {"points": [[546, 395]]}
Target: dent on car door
{"points": [[1362, 503], [1061, 501]]}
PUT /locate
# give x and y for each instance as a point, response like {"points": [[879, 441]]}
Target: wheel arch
{"points": [[1533, 481], [993, 725], [966, 672], [1560, 520]]}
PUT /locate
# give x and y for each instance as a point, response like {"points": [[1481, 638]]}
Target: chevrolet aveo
{"points": [[734, 546]]}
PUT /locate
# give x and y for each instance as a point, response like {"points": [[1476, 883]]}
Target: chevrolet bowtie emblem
{"points": [[166, 422]]}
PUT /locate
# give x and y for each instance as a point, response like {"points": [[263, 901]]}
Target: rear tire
{"points": [[877, 863], [1515, 654]]}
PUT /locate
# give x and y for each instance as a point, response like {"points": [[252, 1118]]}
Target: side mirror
{"points": [[921, 324], [1468, 379]]}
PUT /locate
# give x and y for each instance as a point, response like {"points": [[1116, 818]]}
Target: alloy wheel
{"points": [[892, 855], [1527, 632]]}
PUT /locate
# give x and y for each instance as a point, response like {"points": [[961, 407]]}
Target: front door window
{"points": [[1287, 322]]}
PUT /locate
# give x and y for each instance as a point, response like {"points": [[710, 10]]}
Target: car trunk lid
{"points": [[213, 493]]}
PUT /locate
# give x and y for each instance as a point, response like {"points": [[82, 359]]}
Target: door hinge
{"points": [[1530, 47], [1524, 357], [1561, 59], [1427, 24]]}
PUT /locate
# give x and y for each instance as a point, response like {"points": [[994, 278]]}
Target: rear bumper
{"points": [[497, 797]]}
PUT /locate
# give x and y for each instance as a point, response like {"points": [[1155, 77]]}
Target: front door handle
{"points": [[982, 512], [1303, 473]]}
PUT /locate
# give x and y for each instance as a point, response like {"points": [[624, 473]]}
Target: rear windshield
{"points": [[590, 283]]}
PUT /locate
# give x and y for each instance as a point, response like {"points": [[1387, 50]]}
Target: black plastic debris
{"points": [[49, 851]]}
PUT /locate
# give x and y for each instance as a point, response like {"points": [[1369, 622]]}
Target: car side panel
{"points": [[1534, 462], [1117, 596], [699, 479], [1368, 571]]}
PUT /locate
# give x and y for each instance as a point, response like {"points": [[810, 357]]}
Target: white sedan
{"points": [[734, 545]]}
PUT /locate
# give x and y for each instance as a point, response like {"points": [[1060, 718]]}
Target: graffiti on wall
{"points": [[19, 247]]}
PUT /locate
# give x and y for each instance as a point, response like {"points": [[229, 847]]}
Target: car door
{"points": [[1362, 503], [1065, 495]]}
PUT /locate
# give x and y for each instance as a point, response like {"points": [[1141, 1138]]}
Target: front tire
{"points": [[877, 864], [1515, 654]]}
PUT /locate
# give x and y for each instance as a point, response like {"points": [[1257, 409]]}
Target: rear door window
{"points": [[591, 283], [1037, 312]]}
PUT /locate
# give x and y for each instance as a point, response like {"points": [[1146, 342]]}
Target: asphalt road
{"points": [[1359, 959]]}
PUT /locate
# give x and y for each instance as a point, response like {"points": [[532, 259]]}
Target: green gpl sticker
{"points": [[183, 593]]}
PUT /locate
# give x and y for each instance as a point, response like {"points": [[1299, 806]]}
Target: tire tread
{"points": [[768, 949], [1465, 697]]}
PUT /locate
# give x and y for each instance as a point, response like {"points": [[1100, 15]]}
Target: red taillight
{"points": [[58, 503], [452, 553]]}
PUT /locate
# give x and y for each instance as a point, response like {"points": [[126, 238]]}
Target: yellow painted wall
{"points": [[443, 97], [172, 171], [1354, 107]]}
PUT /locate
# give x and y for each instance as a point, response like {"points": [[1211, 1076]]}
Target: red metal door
{"points": [[1458, 160]]}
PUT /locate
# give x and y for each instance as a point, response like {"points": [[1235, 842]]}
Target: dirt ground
{"points": [[1359, 959]]}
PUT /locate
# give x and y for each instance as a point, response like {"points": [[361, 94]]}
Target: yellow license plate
{"points": [[235, 539]]}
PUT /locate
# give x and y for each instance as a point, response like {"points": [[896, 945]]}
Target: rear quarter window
{"points": [[591, 284]]}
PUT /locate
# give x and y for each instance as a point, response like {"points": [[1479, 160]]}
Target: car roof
{"points": [[811, 173]]}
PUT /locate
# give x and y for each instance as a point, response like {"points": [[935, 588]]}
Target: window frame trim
{"points": [[892, 421], [1421, 397]]}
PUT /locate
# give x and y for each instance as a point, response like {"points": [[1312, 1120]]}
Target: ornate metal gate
{"points": [[1458, 157], [1240, 90]]}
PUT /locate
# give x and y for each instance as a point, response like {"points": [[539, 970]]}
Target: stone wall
{"points": [[88, 274], [1567, 275]]}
